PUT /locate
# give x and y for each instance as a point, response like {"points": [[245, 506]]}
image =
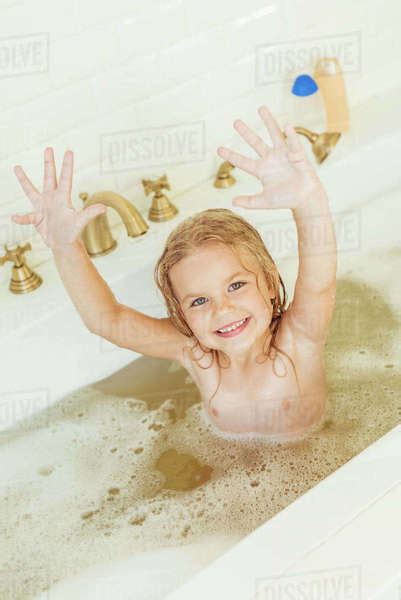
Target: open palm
{"points": [[284, 170], [53, 215]]}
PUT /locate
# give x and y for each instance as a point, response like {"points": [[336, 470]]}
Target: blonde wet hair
{"points": [[224, 226]]}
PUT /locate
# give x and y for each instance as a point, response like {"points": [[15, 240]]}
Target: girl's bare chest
{"points": [[280, 394], [246, 402]]}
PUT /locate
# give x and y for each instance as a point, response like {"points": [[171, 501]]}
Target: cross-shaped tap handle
{"points": [[15, 254], [156, 185]]}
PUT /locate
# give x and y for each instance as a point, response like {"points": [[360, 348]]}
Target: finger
{"points": [[30, 190], [87, 214], [293, 142], [49, 177], [65, 183], [26, 219], [244, 163], [274, 130], [252, 201], [252, 138]]}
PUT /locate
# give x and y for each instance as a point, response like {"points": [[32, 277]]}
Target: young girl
{"points": [[257, 363]]}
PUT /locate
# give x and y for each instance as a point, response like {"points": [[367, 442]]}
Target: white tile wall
{"points": [[127, 65]]}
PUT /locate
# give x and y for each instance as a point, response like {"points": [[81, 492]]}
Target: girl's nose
{"points": [[224, 305]]}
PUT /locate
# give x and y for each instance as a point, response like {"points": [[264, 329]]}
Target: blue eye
{"points": [[202, 297], [193, 303]]}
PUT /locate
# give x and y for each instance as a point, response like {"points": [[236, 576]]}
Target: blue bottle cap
{"points": [[304, 85]]}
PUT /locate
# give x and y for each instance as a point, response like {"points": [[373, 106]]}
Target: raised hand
{"points": [[284, 170], [53, 215]]}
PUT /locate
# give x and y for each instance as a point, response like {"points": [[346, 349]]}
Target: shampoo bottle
{"points": [[329, 77]]}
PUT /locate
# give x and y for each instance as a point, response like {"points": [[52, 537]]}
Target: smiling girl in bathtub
{"points": [[258, 364]]}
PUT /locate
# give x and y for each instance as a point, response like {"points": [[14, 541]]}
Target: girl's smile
{"points": [[233, 329]]}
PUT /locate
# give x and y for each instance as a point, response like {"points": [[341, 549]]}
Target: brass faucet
{"points": [[97, 235], [322, 143], [23, 279], [224, 178]]}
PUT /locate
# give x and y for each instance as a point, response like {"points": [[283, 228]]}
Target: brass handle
{"points": [[15, 255], [23, 279], [224, 178], [162, 209], [225, 168], [156, 185]]}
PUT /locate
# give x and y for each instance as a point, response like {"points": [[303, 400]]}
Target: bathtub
{"points": [[363, 166], [48, 356]]}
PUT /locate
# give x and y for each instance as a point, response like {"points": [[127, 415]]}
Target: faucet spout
{"points": [[97, 235]]}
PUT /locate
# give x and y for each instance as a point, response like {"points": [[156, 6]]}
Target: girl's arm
{"points": [[289, 180], [59, 225], [313, 304], [103, 315], [89, 293]]}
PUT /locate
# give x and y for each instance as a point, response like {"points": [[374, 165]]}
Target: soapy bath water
{"points": [[131, 464]]}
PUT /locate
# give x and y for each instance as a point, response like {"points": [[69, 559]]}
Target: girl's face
{"points": [[214, 290]]}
